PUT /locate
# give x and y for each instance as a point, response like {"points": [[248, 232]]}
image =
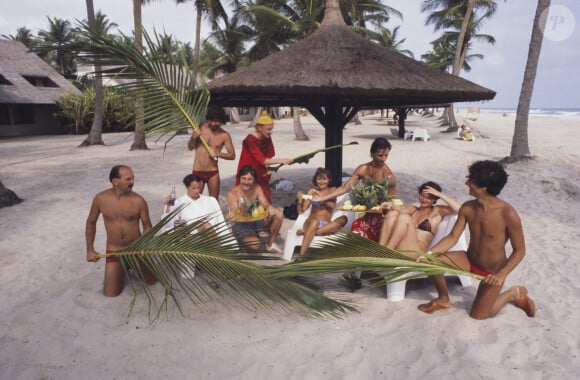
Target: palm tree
{"points": [[95, 135], [446, 46], [360, 12], [280, 23], [389, 39], [520, 148], [441, 56], [215, 11], [24, 35], [139, 140], [56, 46], [456, 14], [224, 50], [167, 48]]}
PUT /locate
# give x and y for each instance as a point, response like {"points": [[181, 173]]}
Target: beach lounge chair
{"points": [[293, 240], [418, 133], [396, 290]]}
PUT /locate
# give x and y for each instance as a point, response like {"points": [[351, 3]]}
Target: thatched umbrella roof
{"points": [[334, 73]]}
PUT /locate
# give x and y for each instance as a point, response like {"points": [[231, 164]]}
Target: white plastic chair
{"points": [[293, 240], [421, 133], [396, 290]]}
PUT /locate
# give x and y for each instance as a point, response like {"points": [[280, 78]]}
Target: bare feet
{"points": [[435, 305], [524, 302]]}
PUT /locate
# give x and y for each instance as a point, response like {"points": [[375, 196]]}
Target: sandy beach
{"points": [[56, 324]]}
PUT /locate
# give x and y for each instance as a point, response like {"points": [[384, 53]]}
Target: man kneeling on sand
{"points": [[122, 210], [491, 222]]}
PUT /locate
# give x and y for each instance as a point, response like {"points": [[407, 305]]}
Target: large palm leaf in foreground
{"points": [[173, 100], [220, 266], [348, 252]]}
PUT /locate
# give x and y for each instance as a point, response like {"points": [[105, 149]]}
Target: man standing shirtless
{"points": [[492, 222], [122, 210], [205, 163]]}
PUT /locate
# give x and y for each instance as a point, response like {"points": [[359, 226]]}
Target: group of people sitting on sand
{"points": [[492, 221]]}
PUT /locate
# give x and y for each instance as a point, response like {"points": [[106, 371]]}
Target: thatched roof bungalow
{"points": [[29, 88]]}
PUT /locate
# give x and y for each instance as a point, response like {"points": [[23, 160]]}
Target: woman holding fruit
{"points": [[376, 171], [248, 204], [319, 222]]}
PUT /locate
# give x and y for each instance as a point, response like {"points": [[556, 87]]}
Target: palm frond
{"points": [[173, 100], [305, 158], [220, 266], [348, 252]]}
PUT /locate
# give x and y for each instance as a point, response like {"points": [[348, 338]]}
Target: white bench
{"points": [[396, 290]]}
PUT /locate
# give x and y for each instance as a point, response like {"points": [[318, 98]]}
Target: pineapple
{"points": [[249, 205], [370, 193]]}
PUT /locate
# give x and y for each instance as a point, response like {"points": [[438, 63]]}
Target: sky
{"points": [[501, 69]]}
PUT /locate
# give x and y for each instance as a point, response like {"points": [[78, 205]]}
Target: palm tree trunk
{"points": [[445, 117], [196, 48], [95, 135], [234, 115], [457, 62], [139, 141], [520, 148], [297, 125], [459, 48], [255, 119], [7, 197]]}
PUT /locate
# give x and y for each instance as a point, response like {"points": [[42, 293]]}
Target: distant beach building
{"points": [[29, 88]]}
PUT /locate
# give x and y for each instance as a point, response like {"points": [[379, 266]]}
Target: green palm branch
{"points": [[346, 251], [173, 99], [221, 267], [305, 158]]}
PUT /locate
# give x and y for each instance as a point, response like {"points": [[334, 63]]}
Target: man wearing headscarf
{"points": [[258, 151]]}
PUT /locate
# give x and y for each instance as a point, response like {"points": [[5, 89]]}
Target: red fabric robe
{"points": [[254, 153]]}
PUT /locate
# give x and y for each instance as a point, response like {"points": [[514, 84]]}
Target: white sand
{"points": [[56, 324]]}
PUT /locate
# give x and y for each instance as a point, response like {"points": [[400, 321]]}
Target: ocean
{"points": [[564, 113]]}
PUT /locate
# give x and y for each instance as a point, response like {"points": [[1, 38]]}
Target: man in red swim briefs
{"points": [[492, 222], [122, 210], [205, 163]]}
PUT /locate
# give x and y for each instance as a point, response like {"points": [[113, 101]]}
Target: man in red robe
{"points": [[258, 151]]}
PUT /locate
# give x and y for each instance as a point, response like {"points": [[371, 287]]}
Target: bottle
{"points": [[172, 197]]}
